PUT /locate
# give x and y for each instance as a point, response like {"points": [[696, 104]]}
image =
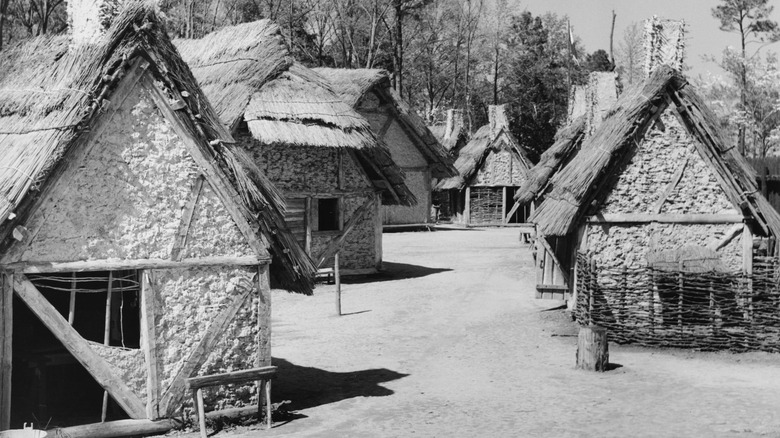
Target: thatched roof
{"points": [[283, 102], [352, 84], [567, 143], [472, 156], [50, 95], [582, 181]]}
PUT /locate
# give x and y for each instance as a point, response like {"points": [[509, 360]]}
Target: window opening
{"points": [[328, 214]]}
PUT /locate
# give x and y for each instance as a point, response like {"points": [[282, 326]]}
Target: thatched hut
{"points": [[136, 235], [491, 167], [333, 172], [413, 147], [657, 175]]}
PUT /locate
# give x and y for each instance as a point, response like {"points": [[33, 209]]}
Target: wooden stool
{"points": [[262, 375]]}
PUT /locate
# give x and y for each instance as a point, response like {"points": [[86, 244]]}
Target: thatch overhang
{"points": [[352, 84], [51, 96], [588, 178], [473, 155], [284, 103], [566, 146]]}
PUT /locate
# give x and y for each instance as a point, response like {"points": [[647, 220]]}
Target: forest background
{"points": [[469, 54]]}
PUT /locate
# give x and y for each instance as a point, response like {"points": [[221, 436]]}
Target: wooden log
{"points": [[592, 349], [6, 339], [114, 265], [337, 278], [112, 429], [149, 345], [201, 412], [467, 208], [242, 376]]}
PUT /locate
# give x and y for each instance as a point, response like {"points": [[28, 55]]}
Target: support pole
{"points": [[106, 336], [72, 304], [6, 338], [337, 277], [467, 208], [592, 349]]}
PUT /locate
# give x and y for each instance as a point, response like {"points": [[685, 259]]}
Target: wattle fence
{"points": [[683, 305]]}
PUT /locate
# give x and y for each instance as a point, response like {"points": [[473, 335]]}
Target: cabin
{"points": [[332, 171], [663, 224], [589, 105], [136, 236], [412, 145], [491, 167]]}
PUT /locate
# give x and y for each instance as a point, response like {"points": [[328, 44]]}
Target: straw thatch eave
{"points": [[52, 95], [588, 178], [353, 84], [566, 146]]}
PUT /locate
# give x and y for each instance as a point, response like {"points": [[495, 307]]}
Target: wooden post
{"points": [[72, 304], [591, 290], [592, 349], [337, 277], [201, 413], [106, 335], [467, 208], [503, 203], [6, 338], [307, 224], [268, 406], [263, 342], [747, 266], [149, 344]]}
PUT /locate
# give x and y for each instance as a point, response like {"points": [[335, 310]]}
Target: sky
{"points": [[591, 21]]}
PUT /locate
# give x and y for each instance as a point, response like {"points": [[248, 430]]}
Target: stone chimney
{"points": [[664, 43], [497, 119], [89, 19], [577, 105], [454, 122], [600, 97]]}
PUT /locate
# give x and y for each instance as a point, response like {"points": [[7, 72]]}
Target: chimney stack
{"points": [[497, 119], [600, 96], [577, 104], [664, 43], [454, 122], [88, 20]]}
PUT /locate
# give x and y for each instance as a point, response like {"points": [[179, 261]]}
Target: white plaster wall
{"points": [[419, 183]]}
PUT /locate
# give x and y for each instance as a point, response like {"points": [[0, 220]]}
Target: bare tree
{"points": [[630, 54]]}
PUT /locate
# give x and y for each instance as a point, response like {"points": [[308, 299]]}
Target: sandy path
{"points": [[462, 349]]}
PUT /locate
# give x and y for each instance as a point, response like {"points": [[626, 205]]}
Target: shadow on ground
{"points": [[394, 271], [307, 387]]}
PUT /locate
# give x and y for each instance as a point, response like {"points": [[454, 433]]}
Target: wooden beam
{"points": [[180, 241], [199, 354], [340, 174], [215, 176], [467, 208], [511, 212], [747, 250], [670, 188], [149, 312], [6, 352], [263, 317], [335, 244], [667, 218], [100, 370], [112, 264], [308, 223], [543, 241], [231, 377], [388, 186], [727, 238], [112, 429]]}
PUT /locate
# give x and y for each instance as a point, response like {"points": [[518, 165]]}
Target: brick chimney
{"points": [[497, 119], [89, 19], [664, 43]]}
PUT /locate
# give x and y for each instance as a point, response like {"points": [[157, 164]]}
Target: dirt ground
{"points": [[450, 342]]}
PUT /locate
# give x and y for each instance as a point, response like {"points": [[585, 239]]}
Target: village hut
{"points": [[491, 167], [136, 235], [656, 193], [412, 145], [333, 172], [589, 105]]}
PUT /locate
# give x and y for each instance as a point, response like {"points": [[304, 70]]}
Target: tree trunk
{"points": [[592, 349], [3, 10], [398, 53]]}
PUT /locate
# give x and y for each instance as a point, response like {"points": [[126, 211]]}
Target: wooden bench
{"points": [[262, 375]]}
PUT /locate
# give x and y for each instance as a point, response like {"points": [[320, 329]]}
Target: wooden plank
{"points": [[241, 376], [467, 209], [543, 241], [309, 221], [263, 318], [216, 177], [113, 264], [747, 250], [670, 188], [503, 203], [6, 351], [514, 209], [548, 268], [112, 429], [667, 218], [79, 348], [172, 397], [180, 240], [335, 243], [149, 312]]}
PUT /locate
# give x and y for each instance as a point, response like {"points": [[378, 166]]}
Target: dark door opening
{"points": [[49, 386], [520, 216]]}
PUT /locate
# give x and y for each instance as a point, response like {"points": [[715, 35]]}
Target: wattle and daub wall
{"points": [[125, 201], [501, 169], [642, 182], [300, 171]]}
